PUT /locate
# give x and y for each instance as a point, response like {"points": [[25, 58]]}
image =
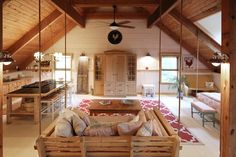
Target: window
{"points": [[60, 68], [169, 69]]}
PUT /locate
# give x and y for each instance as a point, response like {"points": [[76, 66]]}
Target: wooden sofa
{"points": [[120, 146]]}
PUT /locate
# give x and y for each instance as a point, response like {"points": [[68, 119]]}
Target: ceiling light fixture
{"points": [[219, 58], [148, 54], [38, 55], [83, 55], [5, 58]]}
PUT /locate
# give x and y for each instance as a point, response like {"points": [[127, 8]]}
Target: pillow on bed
{"points": [[84, 116], [146, 129]]}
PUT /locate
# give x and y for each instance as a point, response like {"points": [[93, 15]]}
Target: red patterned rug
{"points": [[184, 133]]}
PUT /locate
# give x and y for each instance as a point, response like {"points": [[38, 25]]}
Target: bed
{"points": [[211, 99]]}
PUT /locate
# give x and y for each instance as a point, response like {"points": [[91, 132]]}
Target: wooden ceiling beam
{"points": [[65, 6], [31, 34], [109, 3], [120, 15], [211, 43], [165, 7], [49, 43], [185, 45]]}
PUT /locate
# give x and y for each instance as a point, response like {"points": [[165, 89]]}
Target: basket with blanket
{"points": [[75, 133]]}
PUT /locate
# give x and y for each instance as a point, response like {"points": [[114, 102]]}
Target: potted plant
{"points": [[179, 85]]}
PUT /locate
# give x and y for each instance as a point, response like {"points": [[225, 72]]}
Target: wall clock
{"points": [[114, 37]]}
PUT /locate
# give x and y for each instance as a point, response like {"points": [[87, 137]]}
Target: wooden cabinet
{"points": [[99, 61], [119, 74], [14, 85]]}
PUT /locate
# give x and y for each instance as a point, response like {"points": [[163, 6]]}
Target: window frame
{"points": [[63, 69], [177, 69]]}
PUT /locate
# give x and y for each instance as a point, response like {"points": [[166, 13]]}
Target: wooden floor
{"points": [[19, 137]]}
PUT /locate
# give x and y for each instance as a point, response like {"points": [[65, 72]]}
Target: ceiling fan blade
{"points": [[132, 27], [123, 22]]}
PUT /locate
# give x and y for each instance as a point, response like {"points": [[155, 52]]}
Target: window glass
{"points": [[169, 69], [60, 62]]}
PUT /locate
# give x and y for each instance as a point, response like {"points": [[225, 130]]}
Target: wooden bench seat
{"points": [[203, 110]]}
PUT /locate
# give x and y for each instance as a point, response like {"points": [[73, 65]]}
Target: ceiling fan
{"points": [[115, 25]]}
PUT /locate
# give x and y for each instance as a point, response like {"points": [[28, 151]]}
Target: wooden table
{"points": [[116, 106], [29, 93]]}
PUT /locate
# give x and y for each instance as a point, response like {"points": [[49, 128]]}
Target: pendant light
{"points": [[5, 58]]}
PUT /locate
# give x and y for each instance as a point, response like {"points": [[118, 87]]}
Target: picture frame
{"points": [[189, 63]]}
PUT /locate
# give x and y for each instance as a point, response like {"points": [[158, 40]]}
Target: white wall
{"points": [[93, 39]]}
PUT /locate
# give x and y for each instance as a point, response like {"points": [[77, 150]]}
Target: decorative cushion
{"points": [[68, 124], [142, 116], [135, 119], [101, 130], [128, 128], [145, 129], [156, 128], [78, 125], [63, 128], [82, 115]]}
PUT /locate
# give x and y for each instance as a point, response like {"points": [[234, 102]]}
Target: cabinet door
{"points": [[120, 68], [99, 62], [131, 88], [110, 70]]}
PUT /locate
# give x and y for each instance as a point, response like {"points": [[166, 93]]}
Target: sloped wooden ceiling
{"points": [[21, 26]]}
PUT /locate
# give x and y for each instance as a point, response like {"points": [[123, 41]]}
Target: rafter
{"points": [[119, 15], [30, 35], [165, 7], [185, 45], [49, 43], [104, 3], [65, 6], [211, 43]]}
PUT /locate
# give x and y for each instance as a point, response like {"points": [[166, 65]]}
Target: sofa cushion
{"points": [[78, 125], [146, 129], [68, 124], [101, 130], [142, 116], [84, 116], [128, 128], [63, 128]]}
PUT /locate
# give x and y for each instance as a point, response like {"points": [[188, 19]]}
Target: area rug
{"points": [[185, 135]]}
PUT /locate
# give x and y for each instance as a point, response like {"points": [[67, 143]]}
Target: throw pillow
{"points": [[63, 128], [128, 128], [142, 116], [145, 129], [84, 116], [78, 125], [101, 130]]}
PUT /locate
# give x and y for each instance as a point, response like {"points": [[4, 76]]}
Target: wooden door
{"points": [[82, 78]]}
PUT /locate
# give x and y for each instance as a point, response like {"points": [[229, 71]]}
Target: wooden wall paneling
{"points": [[162, 10], [199, 8], [65, 6], [228, 74], [19, 17], [211, 43], [106, 3], [30, 35], [190, 49], [119, 15], [48, 43]]}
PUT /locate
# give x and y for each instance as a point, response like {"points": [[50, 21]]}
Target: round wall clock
{"points": [[114, 37]]}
